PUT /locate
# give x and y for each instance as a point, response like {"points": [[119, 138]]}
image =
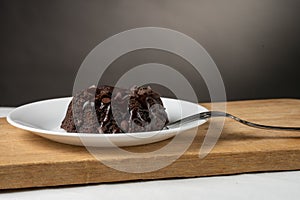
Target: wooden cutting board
{"points": [[27, 160]]}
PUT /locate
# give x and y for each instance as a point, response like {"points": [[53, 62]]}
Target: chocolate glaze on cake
{"points": [[109, 109]]}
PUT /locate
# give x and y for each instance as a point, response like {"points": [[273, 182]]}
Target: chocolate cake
{"points": [[109, 109]]}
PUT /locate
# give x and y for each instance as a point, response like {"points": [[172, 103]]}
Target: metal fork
{"points": [[210, 114]]}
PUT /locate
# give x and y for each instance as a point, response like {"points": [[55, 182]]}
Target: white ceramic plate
{"points": [[44, 118]]}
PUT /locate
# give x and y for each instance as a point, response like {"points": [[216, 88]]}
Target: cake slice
{"points": [[108, 109]]}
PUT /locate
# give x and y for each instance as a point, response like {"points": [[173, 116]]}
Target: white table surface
{"points": [[275, 185]]}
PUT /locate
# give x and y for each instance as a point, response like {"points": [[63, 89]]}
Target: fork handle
{"points": [[210, 114]]}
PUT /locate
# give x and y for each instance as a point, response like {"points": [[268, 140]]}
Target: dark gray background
{"points": [[255, 43]]}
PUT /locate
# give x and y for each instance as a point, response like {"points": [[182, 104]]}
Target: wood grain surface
{"points": [[27, 160]]}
